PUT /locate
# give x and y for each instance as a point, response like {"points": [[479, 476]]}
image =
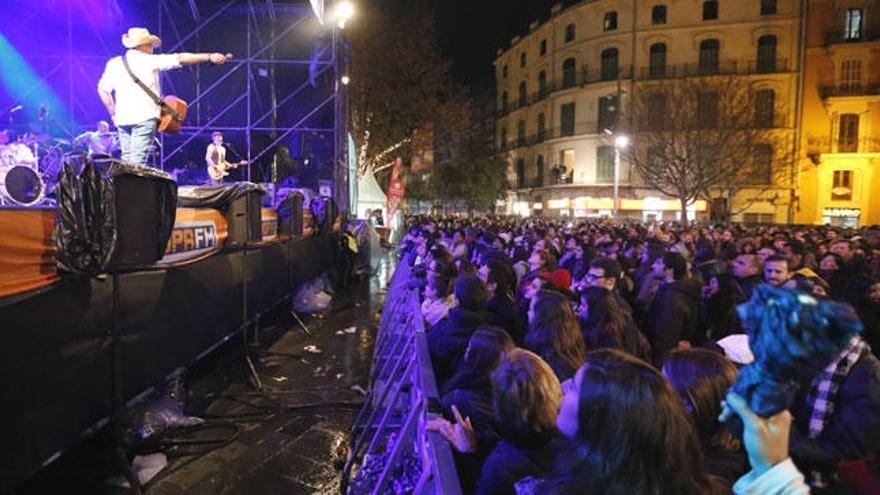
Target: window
{"points": [[610, 23], [542, 127], [520, 173], [657, 67], [763, 165], [768, 7], [523, 95], [566, 119], [607, 113], [539, 172], [503, 138], [568, 73], [656, 111], [709, 52], [766, 54], [504, 101], [543, 47], [759, 218], [504, 72], [569, 33], [843, 185], [542, 84], [852, 29], [707, 109], [848, 134], [765, 105], [850, 75], [658, 14], [710, 10], [609, 64], [521, 133], [522, 59], [604, 164]]}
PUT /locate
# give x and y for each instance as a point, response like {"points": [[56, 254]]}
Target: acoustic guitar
{"points": [[173, 112]]}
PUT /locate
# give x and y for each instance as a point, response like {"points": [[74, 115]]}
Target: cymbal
{"points": [[35, 138]]}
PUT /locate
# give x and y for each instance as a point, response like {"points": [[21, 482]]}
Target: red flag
{"points": [[396, 190]]}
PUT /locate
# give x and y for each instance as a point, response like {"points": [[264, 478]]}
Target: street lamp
{"points": [[620, 142], [345, 80]]}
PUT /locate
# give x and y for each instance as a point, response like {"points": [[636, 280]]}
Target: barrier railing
{"points": [[392, 450]]}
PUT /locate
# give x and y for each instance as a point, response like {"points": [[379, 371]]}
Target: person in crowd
{"points": [[458, 249], [527, 397], [765, 252], [719, 300], [499, 278], [574, 261], [543, 262], [606, 325], [554, 333], [837, 415], [614, 449], [438, 300], [675, 312], [830, 269], [777, 270], [606, 272], [702, 377], [448, 340], [748, 270]]}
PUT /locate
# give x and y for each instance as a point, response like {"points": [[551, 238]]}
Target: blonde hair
{"points": [[526, 392]]}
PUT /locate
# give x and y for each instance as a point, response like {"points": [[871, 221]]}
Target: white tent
{"points": [[370, 195]]}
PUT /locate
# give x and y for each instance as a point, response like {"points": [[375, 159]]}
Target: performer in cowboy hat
{"points": [[133, 111]]}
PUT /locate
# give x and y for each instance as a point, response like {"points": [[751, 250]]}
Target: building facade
{"points": [[840, 122], [562, 86]]}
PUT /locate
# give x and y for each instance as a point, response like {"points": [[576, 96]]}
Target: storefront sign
{"points": [[842, 212]]}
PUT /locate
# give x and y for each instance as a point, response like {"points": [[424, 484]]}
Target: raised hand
{"points": [[765, 439]]}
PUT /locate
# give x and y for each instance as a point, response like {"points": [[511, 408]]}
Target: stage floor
{"points": [[276, 452]]}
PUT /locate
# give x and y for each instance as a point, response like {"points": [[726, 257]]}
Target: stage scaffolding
{"points": [[280, 88]]}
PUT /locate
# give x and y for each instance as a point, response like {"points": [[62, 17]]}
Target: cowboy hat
{"points": [[140, 36]]}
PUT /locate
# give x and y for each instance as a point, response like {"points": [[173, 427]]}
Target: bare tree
{"points": [[399, 83], [707, 137]]}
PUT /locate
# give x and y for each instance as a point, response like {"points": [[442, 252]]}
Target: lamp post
{"points": [[620, 142]]}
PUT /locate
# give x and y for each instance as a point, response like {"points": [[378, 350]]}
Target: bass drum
{"points": [[20, 185]]}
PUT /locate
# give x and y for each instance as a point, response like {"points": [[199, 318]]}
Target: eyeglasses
{"points": [[593, 276]]}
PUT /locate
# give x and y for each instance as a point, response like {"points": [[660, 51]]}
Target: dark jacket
{"points": [[852, 432], [748, 284], [514, 458], [720, 318], [448, 340], [674, 316], [506, 315]]}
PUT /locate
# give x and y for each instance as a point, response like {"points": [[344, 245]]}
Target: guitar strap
{"points": [[156, 99]]}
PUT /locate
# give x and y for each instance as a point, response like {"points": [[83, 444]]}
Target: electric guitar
{"points": [[218, 171]]}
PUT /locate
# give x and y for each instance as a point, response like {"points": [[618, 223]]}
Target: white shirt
{"points": [[221, 154], [133, 105]]}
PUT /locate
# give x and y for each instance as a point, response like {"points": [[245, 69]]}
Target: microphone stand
{"points": [[238, 155]]}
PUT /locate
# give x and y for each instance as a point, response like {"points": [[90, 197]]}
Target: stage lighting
{"points": [[342, 13], [345, 80]]}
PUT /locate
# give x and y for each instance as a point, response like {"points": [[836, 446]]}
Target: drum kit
{"points": [[27, 166]]}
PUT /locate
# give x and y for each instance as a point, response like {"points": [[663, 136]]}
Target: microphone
{"points": [[15, 108]]}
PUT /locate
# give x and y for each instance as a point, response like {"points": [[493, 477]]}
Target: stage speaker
{"points": [[290, 211], [244, 217], [138, 215]]}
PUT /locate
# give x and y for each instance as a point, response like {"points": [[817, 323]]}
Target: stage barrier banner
{"points": [[269, 224], [197, 233], [27, 251]]}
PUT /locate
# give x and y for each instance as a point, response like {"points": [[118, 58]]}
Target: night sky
{"points": [[470, 31]]}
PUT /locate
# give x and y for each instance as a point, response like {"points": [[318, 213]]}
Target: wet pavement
{"points": [[288, 437]]}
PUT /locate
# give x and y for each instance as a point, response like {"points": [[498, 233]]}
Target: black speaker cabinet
{"points": [[291, 213], [137, 219], [244, 217]]}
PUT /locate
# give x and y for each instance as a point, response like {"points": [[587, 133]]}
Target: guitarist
{"points": [[215, 157], [134, 112]]}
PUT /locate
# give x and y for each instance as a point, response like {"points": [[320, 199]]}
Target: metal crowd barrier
{"points": [[392, 450]]}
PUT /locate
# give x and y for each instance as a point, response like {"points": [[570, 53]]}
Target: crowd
{"points": [[596, 357]]}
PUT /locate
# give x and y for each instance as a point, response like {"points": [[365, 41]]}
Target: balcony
{"points": [[818, 145], [840, 37], [724, 67], [849, 89]]}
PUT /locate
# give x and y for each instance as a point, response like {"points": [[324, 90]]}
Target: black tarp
{"points": [[88, 221], [218, 197]]}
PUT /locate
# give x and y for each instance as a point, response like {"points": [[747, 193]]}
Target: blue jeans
{"points": [[135, 140]]}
